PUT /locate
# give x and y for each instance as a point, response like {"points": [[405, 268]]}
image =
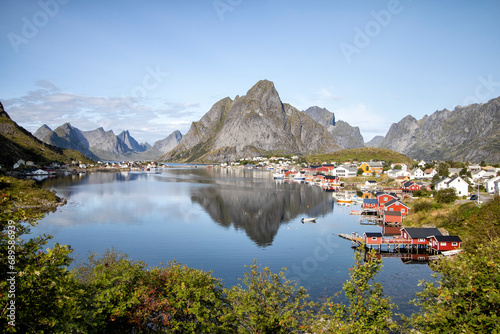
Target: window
{"points": [[442, 243], [402, 210], [374, 238], [391, 209], [421, 239], [454, 243]]}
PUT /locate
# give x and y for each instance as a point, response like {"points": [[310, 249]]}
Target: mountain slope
{"points": [[131, 143], [251, 125], [467, 133], [18, 143], [167, 144], [344, 134]]}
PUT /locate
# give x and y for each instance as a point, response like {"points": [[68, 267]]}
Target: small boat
{"points": [[278, 176], [308, 220], [451, 252]]}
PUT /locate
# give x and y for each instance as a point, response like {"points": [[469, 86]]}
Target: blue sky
{"points": [[153, 67]]}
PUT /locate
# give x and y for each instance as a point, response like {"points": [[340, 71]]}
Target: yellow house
{"points": [[372, 167]]}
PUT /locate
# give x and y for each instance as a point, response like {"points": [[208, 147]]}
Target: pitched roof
{"points": [[422, 232], [446, 238], [373, 234], [392, 201], [370, 201]]}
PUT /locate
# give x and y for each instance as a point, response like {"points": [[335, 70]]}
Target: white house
{"points": [[490, 184], [343, 171], [422, 163], [416, 173], [404, 167], [482, 175], [40, 172], [429, 173], [394, 173], [461, 187]]}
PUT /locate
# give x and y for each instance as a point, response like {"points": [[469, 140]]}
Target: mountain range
{"points": [[105, 145], [259, 123], [469, 133]]}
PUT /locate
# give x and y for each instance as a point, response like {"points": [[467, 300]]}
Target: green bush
{"points": [[446, 196]]}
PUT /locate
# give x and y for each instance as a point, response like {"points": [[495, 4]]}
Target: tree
{"points": [[368, 310], [46, 296], [466, 298], [446, 196], [360, 172], [266, 303]]}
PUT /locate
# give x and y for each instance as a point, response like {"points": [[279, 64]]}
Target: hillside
{"points": [[18, 143], [361, 154], [251, 125]]}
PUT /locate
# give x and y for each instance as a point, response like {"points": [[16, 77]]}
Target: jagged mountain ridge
{"points": [[343, 133], [99, 144], [18, 143], [132, 143], [251, 125], [467, 133]]}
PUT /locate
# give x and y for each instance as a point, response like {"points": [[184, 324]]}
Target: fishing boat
{"points": [[308, 220]]}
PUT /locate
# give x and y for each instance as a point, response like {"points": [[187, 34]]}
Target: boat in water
{"points": [[308, 220]]}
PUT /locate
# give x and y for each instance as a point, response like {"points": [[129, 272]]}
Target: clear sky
{"points": [[152, 67]]}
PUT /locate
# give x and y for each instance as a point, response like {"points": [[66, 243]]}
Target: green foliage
{"points": [[422, 193], [111, 284], [266, 303], [368, 310], [360, 172], [178, 299], [46, 295], [466, 299], [362, 154], [446, 196], [422, 205]]}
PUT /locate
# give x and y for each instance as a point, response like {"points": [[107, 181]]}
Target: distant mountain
{"points": [[344, 134], [469, 133], [375, 142], [167, 144], [131, 142], [251, 125], [103, 145], [18, 143]]}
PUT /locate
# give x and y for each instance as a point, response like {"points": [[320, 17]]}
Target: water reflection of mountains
{"points": [[261, 207]]}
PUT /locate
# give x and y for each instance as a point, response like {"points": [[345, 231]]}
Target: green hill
{"points": [[361, 154], [18, 143]]}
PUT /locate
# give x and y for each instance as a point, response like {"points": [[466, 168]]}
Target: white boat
{"points": [[278, 176], [451, 252], [308, 220]]}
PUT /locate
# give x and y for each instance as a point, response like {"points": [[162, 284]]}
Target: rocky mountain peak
{"points": [[3, 113]]}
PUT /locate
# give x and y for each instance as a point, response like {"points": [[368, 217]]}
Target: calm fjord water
{"points": [[219, 220]]}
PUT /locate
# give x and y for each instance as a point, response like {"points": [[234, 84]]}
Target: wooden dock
{"points": [[354, 237]]}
